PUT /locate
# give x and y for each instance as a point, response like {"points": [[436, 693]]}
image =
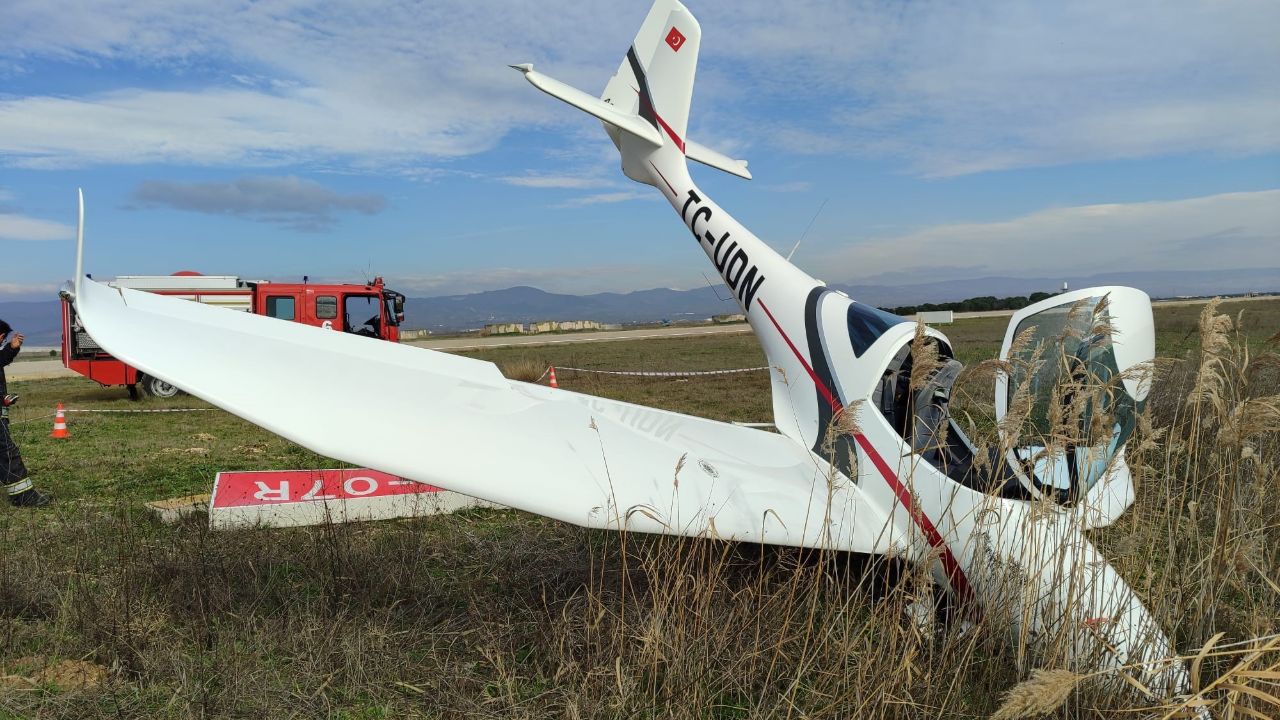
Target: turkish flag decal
{"points": [[675, 39]]}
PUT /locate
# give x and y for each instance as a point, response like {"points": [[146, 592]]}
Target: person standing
{"points": [[13, 473]]}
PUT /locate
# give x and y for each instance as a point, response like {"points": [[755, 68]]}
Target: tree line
{"points": [[975, 304]]}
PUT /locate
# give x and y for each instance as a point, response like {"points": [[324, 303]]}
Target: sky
{"points": [[906, 141]]}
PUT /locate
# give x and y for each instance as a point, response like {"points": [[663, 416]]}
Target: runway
{"points": [[477, 343], [52, 368]]}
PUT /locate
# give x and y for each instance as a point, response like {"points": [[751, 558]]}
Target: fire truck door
{"points": [[319, 308], [362, 314]]}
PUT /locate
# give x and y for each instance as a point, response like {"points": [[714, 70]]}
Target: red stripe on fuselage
{"points": [[955, 574], [672, 133], [822, 388], [674, 137], [664, 179]]}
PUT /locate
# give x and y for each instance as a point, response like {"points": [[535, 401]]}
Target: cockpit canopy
{"points": [[1076, 373]]}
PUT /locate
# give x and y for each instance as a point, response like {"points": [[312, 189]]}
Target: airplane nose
{"points": [[1065, 602]]}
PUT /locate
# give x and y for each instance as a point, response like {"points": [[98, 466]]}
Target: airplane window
{"points": [[1056, 334], [1109, 416], [867, 324], [1075, 373]]}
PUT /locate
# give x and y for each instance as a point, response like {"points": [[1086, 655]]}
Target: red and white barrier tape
{"points": [[30, 419], [161, 410]]}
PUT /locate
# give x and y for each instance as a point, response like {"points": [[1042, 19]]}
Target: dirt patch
{"points": [[186, 451], [30, 672], [251, 449], [72, 675]]}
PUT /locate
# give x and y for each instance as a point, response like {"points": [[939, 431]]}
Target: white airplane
{"points": [[858, 463]]}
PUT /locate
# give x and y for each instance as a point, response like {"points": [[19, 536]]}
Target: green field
{"points": [[503, 614]]}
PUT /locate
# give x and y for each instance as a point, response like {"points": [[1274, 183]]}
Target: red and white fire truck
{"points": [[370, 310]]}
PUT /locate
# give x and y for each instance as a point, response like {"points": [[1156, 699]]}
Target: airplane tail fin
{"points": [[655, 79], [645, 105]]}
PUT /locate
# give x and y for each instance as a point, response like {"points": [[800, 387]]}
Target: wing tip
{"points": [[79, 241]]}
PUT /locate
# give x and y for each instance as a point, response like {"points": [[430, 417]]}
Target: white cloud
{"points": [[947, 88], [21, 227], [954, 88], [1231, 230], [575, 182], [608, 198], [227, 127], [284, 82], [28, 291]]}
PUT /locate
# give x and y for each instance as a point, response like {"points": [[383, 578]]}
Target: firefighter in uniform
{"points": [[13, 474]]}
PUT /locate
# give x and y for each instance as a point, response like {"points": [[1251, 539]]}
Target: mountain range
{"points": [[40, 320], [526, 304]]}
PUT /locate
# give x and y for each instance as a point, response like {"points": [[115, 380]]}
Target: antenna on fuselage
{"points": [[806, 230], [716, 290]]}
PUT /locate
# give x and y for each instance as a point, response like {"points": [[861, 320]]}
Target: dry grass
{"points": [[1044, 692], [501, 614], [523, 369]]}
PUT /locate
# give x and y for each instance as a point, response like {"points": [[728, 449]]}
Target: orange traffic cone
{"points": [[60, 424], [554, 384]]}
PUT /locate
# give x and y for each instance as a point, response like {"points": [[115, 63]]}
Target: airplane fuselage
{"points": [[827, 354]]}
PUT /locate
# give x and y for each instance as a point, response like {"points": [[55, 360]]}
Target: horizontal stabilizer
{"points": [[631, 123], [719, 161]]}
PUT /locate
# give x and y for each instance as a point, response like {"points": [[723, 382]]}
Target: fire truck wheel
{"points": [[155, 387]]}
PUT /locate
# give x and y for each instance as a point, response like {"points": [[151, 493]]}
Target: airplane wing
{"points": [[457, 423]]}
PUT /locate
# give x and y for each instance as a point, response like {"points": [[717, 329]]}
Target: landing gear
{"points": [[157, 388]]}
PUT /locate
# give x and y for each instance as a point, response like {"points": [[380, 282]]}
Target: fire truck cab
{"points": [[370, 310]]}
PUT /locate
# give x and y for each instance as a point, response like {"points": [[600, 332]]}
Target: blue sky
{"points": [[343, 139]]}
